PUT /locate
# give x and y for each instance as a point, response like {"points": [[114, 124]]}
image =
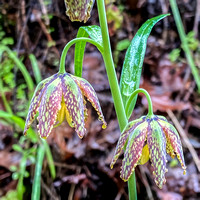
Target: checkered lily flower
{"points": [[79, 10], [59, 97], [148, 137]]}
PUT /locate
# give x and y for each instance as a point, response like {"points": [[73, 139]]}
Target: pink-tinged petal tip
{"points": [[49, 107], [35, 102], [123, 138], [74, 103], [157, 149], [173, 142], [133, 150], [89, 92]]}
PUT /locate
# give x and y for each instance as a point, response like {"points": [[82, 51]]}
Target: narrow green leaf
{"points": [[132, 67], [5, 102], [35, 67], [37, 176], [21, 67], [94, 32], [49, 159], [18, 148]]}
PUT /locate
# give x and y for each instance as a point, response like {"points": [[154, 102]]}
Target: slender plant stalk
{"points": [[69, 44], [49, 159], [20, 185], [186, 48], [114, 86], [110, 68], [37, 177], [140, 90]]}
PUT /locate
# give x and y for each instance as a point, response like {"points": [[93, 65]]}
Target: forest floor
{"points": [[82, 166]]}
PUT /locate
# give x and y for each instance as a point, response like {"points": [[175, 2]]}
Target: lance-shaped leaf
{"points": [[157, 149], [132, 66], [49, 107], [133, 150], [74, 102], [94, 32], [35, 102], [91, 96], [123, 138], [174, 142]]}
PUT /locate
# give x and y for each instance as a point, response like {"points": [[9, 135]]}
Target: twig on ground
{"points": [[197, 19], [44, 12], [48, 191], [148, 189], [73, 185], [165, 10]]}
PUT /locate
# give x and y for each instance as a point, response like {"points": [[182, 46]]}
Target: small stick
{"points": [[146, 184], [197, 19]]}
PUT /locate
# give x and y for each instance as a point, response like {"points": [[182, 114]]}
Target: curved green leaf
{"points": [[36, 69], [132, 67], [20, 66], [94, 32], [49, 159]]}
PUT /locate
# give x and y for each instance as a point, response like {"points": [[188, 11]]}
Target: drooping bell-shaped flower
{"points": [[79, 10], [148, 136], [59, 97]]}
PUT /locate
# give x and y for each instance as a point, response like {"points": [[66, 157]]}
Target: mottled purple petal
{"points": [[74, 103], [133, 150], [49, 107], [157, 148], [36, 99], [174, 142], [79, 10], [91, 96], [85, 109], [123, 138]]}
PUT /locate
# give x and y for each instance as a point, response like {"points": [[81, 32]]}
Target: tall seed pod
{"points": [[79, 10]]}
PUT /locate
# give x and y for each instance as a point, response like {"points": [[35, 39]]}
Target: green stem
{"points": [[110, 68], [37, 176], [185, 46], [49, 159], [150, 106], [69, 44], [20, 185]]}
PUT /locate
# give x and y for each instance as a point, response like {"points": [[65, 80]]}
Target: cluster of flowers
{"points": [[62, 96]]}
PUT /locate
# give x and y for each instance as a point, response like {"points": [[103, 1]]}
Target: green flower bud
{"points": [[79, 10]]}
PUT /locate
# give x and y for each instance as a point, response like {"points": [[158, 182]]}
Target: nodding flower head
{"points": [[148, 137], [59, 97], [79, 10]]}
